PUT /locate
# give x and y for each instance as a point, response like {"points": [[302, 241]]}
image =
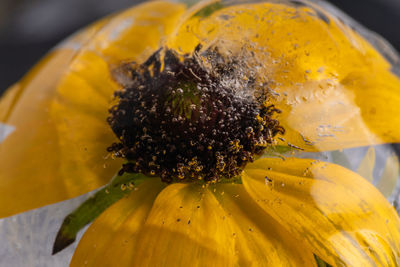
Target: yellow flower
{"points": [[334, 89]]}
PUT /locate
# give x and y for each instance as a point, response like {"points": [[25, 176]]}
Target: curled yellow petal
{"points": [[342, 217], [59, 110], [29, 163]]}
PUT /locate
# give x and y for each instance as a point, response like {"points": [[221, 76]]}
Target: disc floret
{"points": [[192, 117]]}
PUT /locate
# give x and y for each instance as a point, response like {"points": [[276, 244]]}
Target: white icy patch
{"points": [[5, 130], [120, 28], [27, 238]]}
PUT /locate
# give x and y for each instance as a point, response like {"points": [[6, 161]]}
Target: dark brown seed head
{"points": [[187, 118]]}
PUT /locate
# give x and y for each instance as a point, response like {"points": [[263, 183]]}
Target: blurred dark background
{"points": [[29, 28]]}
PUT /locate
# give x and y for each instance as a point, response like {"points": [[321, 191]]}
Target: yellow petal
{"points": [[59, 110], [259, 239], [188, 226], [29, 163], [8, 100], [335, 89], [335, 115], [342, 217], [184, 227], [119, 221]]}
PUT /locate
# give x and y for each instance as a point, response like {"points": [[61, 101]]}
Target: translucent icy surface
{"points": [[27, 238]]}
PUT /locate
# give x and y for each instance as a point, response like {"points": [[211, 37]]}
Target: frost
{"points": [[27, 238], [5, 131]]}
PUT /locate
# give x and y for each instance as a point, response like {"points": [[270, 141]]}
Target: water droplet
{"points": [[131, 185]]}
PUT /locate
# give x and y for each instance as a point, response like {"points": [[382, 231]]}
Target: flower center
{"points": [[194, 117]]}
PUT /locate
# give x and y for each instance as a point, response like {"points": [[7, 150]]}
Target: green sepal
{"points": [[89, 210], [276, 151], [320, 262], [209, 10]]}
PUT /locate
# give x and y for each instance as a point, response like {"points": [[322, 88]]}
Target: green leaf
{"points": [[93, 207]]}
